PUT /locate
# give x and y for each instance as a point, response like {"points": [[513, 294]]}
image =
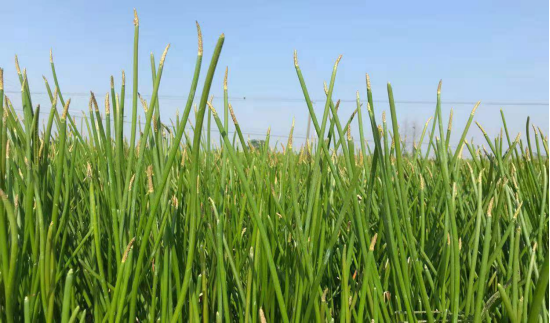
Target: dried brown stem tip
{"points": [[199, 33], [233, 114], [123, 78], [93, 100], [112, 82], [295, 58], [66, 109]]}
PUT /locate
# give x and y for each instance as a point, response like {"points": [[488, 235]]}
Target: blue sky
{"points": [[496, 52]]}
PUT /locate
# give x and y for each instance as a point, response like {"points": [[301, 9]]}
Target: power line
{"points": [[297, 100]]}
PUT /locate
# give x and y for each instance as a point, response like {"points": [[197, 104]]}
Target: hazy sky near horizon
{"points": [[496, 52]]}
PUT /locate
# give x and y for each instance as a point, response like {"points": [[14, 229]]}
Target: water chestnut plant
{"points": [[157, 222]]}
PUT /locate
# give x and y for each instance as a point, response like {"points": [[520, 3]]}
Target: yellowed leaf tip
{"points": [[481, 128], [225, 78], [149, 171], [24, 84], [131, 181], [490, 208], [17, 68], [295, 58], [136, 19], [439, 87], [51, 56], [290, 136], [163, 57], [325, 87], [212, 109], [450, 124], [66, 109], [199, 34], [107, 106], [337, 61], [475, 107], [1, 79], [90, 105], [368, 81], [123, 78], [428, 122], [262, 316], [324, 296], [128, 248], [373, 242], [518, 210], [143, 103], [54, 102]]}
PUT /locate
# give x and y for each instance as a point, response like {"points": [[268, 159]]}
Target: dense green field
{"points": [[101, 224]]}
